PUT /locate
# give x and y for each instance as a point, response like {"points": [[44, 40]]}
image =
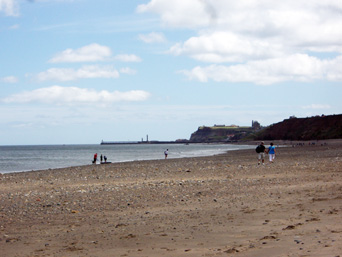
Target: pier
{"points": [[140, 142]]}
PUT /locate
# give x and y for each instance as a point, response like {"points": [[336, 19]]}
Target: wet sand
{"points": [[223, 205]]}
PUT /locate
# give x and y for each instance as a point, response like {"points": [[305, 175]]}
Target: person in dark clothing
{"points": [[261, 153]]}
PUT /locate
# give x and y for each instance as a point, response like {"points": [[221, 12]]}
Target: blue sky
{"points": [[81, 71]]}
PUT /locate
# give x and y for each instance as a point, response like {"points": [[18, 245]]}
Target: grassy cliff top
{"points": [[224, 127]]}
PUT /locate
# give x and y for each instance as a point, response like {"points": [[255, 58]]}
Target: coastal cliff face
{"points": [[313, 128], [220, 134]]}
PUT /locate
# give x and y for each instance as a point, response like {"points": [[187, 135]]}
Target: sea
{"points": [[23, 158]]}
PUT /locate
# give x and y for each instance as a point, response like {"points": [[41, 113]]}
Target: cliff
{"points": [[313, 128], [220, 134]]}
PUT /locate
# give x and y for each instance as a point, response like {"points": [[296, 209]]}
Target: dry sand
{"points": [[224, 205]]}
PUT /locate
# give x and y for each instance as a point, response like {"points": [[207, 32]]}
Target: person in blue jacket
{"points": [[271, 152]]}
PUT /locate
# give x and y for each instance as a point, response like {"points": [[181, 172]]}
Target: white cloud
{"points": [[64, 74], [253, 33], [89, 53], [49, 1], [255, 16], [128, 71], [224, 46], [317, 106], [9, 7], [92, 53], [298, 67], [127, 58], [10, 79], [152, 37], [178, 13], [74, 95]]}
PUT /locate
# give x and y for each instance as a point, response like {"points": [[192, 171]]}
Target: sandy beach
{"points": [[223, 205]]}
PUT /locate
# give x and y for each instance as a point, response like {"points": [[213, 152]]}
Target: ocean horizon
{"points": [[21, 158]]}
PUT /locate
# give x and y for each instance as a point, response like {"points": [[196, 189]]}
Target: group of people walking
{"points": [[262, 151]]}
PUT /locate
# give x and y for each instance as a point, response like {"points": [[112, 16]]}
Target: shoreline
{"points": [[174, 155], [222, 205], [281, 143]]}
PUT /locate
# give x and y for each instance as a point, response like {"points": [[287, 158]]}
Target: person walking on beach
{"points": [[166, 152], [101, 158], [271, 152], [105, 158], [261, 149], [95, 158]]}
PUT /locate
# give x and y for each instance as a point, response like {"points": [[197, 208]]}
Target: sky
{"points": [[82, 71]]}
